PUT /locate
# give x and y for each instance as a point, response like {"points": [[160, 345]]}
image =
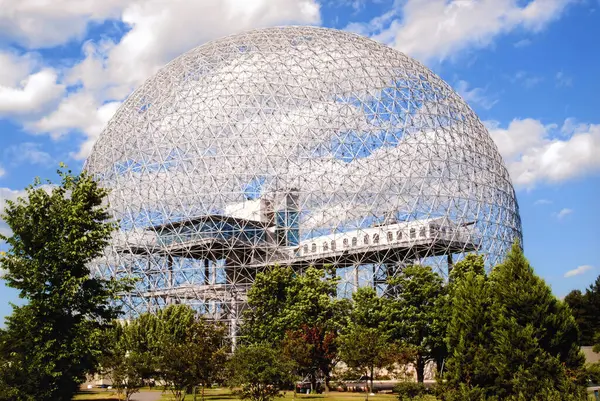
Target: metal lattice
{"points": [[295, 146]]}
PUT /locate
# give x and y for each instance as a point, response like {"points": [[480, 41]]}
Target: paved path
{"points": [[146, 396]]}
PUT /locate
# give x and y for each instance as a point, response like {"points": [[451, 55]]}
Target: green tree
{"points": [[534, 334], [301, 305], [472, 263], [53, 341], [365, 349], [192, 351], [469, 368], [260, 370], [510, 338], [586, 309], [365, 344], [267, 299], [415, 313], [120, 362]]}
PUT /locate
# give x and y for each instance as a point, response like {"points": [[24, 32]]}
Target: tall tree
{"points": [[121, 362], [586, 309], [191, 351], [510, 338], [302, 305], [414, 313], [534, 334], [469, 366], [267, 299], [365, 344], [52, 341]]}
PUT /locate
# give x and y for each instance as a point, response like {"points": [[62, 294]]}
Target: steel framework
{"points": [[295, 146]]}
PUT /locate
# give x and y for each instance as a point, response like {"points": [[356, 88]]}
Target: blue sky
{"points": [[528, 68]]}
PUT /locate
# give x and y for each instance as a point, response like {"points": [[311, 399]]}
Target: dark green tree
{"points": [[586, 309], [260, 370], [534, 334], [510, 338], [53, 340], [469, 368], [267, 299], [415, 313]]}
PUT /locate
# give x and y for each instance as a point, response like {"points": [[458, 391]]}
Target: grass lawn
{"points": [[107, 395], [226, 395]]}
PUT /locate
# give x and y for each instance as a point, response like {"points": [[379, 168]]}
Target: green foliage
{"points": [[285, 306], [593, 373], [53, 341], [510, 338], [365, 344], [121, 362], [260, 370], [469, 364], [191, 350], [470, 264], [586, 309], [416, 313], [408, 391]]}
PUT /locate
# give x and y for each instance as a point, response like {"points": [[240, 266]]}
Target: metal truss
{"points": [[295, 146]]}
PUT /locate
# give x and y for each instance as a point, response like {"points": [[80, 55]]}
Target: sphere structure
{"points": [[295, 146]]}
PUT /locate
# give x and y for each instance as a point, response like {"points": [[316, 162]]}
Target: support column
{"points": [[169, 299], [450, 265]]}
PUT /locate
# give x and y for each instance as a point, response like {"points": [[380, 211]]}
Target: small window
{"points": [[422, 232], [354, 241], [333, 245], [443, 231], [366, 239], [376, 239], [305, 248], [345, 242], [390, 236], [413, 233], [399, 235], [325, 246], [314, 247]]}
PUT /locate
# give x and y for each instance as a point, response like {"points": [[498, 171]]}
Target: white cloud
{"points": [[475, 96], [562, 80], [542, 202], [23, 89], [536, 153], [528, 80], [578, 271], [35, 23], [438, 29], [563, 213], [28, 152], [81, 112], [522, 43], [159, 31]]}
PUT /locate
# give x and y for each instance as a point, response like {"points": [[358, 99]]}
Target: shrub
{"points": [[409, 390]]}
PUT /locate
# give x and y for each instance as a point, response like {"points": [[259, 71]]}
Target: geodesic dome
{"points": [[295, 146]]}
